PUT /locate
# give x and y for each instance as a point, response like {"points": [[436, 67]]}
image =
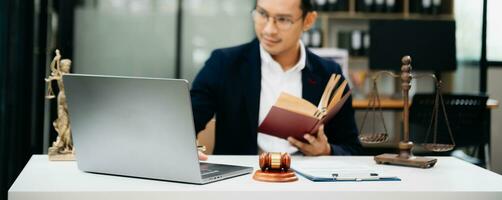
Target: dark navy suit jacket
{"points": [[228, 87]]}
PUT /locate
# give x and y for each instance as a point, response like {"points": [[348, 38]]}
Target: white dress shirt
{"points": [[275, 80]]}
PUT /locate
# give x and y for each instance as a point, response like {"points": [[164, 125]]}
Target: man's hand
{"points": [[202, 156], [316, 146]]}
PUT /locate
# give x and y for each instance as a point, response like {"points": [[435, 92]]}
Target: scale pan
{"points": [[373, 138], [438, 147]]}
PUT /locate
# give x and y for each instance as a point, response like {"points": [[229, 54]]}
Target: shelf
{"points": [[387, 103], [359, 58], [431, 17], [388, 16], [332, 23]]}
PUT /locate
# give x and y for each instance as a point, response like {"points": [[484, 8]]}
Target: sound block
{"points": [[275, 176], [413, 161]]}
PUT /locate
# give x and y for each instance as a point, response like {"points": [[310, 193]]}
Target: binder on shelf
{"points": [[436, 7], [316, 38], [379, 5], [321, 5], [415, 6], [356, 43], [306, 39], [426, 6], [390, 6], [344, 40], [343, 5], [365, 5], [366, 43], [333, 5]]}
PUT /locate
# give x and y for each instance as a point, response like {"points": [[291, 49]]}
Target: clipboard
{"points": [[336, 171], [340, 176]]}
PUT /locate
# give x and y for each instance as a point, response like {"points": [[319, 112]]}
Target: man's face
{"points": [[273, 37]]}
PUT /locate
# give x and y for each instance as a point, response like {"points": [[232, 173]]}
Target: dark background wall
{"points": [[21, 90]]}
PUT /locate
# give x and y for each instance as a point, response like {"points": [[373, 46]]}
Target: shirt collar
{"points": [[267, 58]]}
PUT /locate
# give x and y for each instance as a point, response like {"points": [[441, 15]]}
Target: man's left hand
{"points": [[316, 146]]}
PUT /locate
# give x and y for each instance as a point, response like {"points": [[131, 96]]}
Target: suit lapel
{"points": [[312, 84], [251, 76]]}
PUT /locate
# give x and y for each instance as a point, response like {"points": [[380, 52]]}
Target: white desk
{"points": [[449, 179]]}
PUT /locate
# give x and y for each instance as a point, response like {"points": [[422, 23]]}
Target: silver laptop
{"points": [[138, 127]]}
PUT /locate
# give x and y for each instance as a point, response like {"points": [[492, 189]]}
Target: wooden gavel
{"points": [[275, 161]]}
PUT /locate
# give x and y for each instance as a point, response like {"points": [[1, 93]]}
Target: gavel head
{"points": [[275, 161]]}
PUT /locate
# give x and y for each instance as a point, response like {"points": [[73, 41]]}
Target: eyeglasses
{"points": [[282, 22]]}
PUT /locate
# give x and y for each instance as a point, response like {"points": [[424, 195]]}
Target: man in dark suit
{"points": [[238, 86]]}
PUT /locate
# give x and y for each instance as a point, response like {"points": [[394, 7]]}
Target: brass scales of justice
{"points": [[405, 156]]}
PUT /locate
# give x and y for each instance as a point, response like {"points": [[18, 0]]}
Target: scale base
{"points": [[412, 161], [55, 155]]}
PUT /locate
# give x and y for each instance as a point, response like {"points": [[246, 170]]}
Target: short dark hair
{"points": [[306, 6]]}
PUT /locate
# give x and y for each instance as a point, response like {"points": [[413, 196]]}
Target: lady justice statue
{"points": [[62, 148]]}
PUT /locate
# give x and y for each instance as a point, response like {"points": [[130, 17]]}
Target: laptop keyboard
{"points": [[205, 169], [208, 171]]}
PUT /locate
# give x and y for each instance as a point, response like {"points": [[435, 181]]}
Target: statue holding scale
{"points": [[62, 148]]}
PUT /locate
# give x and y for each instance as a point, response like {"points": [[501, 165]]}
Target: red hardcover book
{"points": [[294, 116]]}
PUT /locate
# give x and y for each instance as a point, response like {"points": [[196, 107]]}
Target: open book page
{"points": [[296, 104], [333, 93], [337, 95], [336, 170], [328, 90]]}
